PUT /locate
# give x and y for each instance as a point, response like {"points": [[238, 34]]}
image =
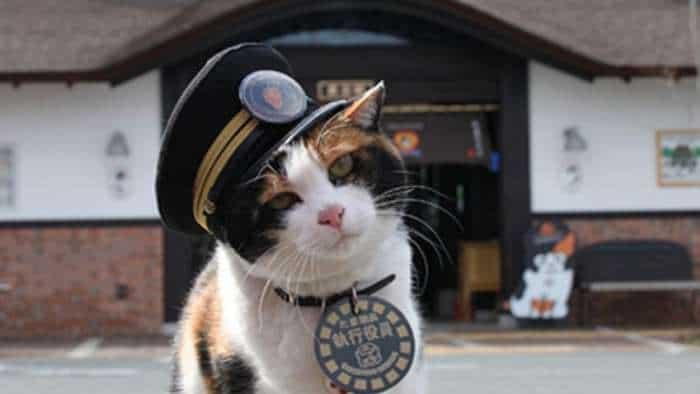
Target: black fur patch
{"points": [[231, 375], [203, 355], [389, 171], [244, 223], [235, 376], [276, 162]]}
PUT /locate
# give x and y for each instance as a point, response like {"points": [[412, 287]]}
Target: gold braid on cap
{"points": [[224, 146]]}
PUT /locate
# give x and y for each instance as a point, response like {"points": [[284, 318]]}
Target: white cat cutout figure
{"points": [[547, 283], [547, 289]]}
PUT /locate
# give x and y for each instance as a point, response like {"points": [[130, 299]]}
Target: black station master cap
{"points": [[239, 109]]}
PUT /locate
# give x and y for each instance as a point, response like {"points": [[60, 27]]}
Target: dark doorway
{"points": [[469, 198], [462, 205]]}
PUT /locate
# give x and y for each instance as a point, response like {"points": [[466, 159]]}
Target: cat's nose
{"points": [[331, 215]]}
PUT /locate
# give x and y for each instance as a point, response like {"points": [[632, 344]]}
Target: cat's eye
{"points": [[283, 201], [342, 167]]}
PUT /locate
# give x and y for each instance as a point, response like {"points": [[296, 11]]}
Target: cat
{"points": [[325, 213]]}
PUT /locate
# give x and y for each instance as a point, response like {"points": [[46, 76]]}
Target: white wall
{"points": [[60, 134], [618, 120]]}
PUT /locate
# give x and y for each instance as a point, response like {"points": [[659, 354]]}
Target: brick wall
{"points": [[642, 308], [65, 281]]}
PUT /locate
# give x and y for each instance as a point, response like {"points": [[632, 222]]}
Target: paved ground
{"points": [[596, 362], [103, 376]]}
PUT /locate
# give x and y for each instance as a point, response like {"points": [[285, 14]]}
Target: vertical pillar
{"points": [[515, 167]]}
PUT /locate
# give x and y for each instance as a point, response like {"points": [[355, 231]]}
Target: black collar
{"points": [[330, 300]]}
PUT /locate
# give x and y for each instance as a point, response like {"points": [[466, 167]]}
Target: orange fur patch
{"points": [[368, 99], [337, 139], [566, 245], [201, 325], [274, 185]]}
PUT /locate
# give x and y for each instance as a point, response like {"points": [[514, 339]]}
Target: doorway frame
{"points": [[513, 132]]}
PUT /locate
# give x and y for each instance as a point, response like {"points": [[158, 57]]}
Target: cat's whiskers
{"points": [[410, 188], [260, 304], [248, 272], [315, 275], [390, 194], [261, 301], [439, 251], [311, 256], [439, 207], [298, 260], [266, 287], [300, 273], [397, 188], [317, 278], [313, 282], [298, 307], [277, 250], [390, 191], [426, 266], [430, 228], [311, 249], [401, 195]]}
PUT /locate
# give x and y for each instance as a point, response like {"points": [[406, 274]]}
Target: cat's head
{"points": [[326, 197]]}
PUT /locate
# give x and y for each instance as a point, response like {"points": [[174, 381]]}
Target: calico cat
{"points": [[324, 214]]}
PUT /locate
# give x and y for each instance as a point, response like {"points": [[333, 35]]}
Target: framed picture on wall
{"points": [[678, 157]]}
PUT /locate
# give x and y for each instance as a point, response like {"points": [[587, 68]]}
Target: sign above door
{"points": [[339, 89], [458, 137]]}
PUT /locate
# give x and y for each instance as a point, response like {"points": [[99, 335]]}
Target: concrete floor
{"points": [[571, 373], [630, 364]]}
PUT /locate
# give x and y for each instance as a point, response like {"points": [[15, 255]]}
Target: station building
{"points": [[486, 99]]}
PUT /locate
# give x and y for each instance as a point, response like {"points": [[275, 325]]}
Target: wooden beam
{"points": [[515, 171]]}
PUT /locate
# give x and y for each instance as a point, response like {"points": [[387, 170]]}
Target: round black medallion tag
{"points": [[368, 350]]}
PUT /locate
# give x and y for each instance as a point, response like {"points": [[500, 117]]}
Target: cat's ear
{"points": [[365, 110]]}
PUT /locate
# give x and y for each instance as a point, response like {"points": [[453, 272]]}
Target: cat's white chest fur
{"points": [[278, 337]]}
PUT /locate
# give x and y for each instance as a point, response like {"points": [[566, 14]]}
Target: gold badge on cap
{"points": [[273, 97]]}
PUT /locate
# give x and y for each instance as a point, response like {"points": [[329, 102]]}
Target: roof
{"points": [[117, 39], [636, 33]]}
